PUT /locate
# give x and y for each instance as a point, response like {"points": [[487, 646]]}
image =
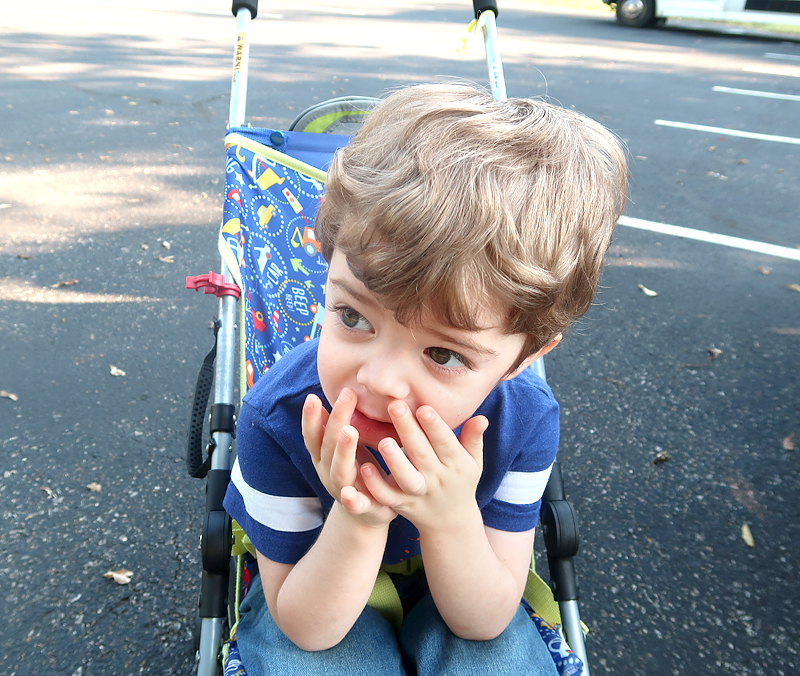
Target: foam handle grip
{"points": [[252, 5], [484, 5]]}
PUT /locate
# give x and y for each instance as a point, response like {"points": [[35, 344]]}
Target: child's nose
{"points": [[385, 377]]}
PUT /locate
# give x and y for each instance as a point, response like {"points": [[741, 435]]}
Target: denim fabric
{"points": [[426, 647]]}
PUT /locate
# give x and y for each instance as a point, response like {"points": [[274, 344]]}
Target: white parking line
{"points": [[712, 237], [753, 92], [728, 132], [761, 70]]}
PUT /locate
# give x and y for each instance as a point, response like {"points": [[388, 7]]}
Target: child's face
{"points": [[363, 347]]}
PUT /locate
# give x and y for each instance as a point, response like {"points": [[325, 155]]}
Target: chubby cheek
{"points": [[330, 367]]}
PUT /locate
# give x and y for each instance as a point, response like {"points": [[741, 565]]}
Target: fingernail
{"points": [[398, 408], [425, 413], [344, 396]]}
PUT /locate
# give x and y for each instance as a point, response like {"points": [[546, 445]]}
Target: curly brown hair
{"points": [[450, 201]]}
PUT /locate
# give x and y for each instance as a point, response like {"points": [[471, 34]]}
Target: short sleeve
{"points": [[275, 494], [518, 454]]}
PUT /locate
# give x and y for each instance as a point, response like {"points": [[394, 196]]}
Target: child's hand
{"points": [[433, 483], [333, 445]]}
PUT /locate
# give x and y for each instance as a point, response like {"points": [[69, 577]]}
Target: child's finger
{"points": [[439, 434], [341, 414], [313, 421], [379, 488], [343, 463], [414, 440], [471, 437], [408, 478], [353, 501]]}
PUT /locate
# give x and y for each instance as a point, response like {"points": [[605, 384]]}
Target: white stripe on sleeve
{"points": [[523, 488], [278, 512]]}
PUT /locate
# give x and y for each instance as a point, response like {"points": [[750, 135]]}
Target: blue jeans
{"points": [[425, 647]]}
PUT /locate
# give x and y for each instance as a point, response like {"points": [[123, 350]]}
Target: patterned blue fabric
{"points": [[233, 665], [268, 224], [567, 662]]}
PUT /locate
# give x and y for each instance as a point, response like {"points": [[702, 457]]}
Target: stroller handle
{"points": [[252, 5], [484, 6]]}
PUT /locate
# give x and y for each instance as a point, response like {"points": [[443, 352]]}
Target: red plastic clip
{"points": [[213, 283]]}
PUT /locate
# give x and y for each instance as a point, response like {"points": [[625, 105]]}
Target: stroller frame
{"points": [[558, 519]]}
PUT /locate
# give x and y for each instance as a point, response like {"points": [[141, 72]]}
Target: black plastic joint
{"points": [[481, 6], [214, 595], [216, 485], [223, 418], [560, 529], [252, 5], [216, 548], [563, 580]]}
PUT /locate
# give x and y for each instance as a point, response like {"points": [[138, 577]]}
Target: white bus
{"points": [[644, 13]]}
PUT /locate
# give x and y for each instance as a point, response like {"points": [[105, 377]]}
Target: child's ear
{"points": [[533, 357]]}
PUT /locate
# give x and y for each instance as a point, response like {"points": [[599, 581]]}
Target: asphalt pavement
{"points": [[681, 406]]}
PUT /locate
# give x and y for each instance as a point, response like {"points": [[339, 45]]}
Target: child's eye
{"points": [[354, 320], [447, 358]]}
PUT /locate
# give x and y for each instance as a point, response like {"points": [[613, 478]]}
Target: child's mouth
{"points": [[370, 431]]}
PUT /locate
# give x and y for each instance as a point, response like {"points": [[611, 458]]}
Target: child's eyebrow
{"points": [[357, 295]]}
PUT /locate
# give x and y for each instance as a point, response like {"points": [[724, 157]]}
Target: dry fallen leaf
{"points": [[24, 257], [94, 487], [58, 285], [714, 352], [661, 458], [121, 576], [747, 535], [167, 259], [764, 270], [646, 291], [166, 245], [788, 443], [9, 395], [116, 371], [793, 287]]}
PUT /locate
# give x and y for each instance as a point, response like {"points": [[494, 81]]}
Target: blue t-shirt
{"points": [[277, 498]]}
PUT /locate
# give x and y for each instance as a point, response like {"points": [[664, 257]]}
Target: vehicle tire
{"points": [[636, 13]]}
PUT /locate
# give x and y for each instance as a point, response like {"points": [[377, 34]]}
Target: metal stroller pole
{"points": [[486, 13], [244, 14], [560, 530], [216, 543]]}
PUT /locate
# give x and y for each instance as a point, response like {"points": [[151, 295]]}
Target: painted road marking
{"points": [[728, 132], [712, 238], [771, 71], [753, 92]]}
